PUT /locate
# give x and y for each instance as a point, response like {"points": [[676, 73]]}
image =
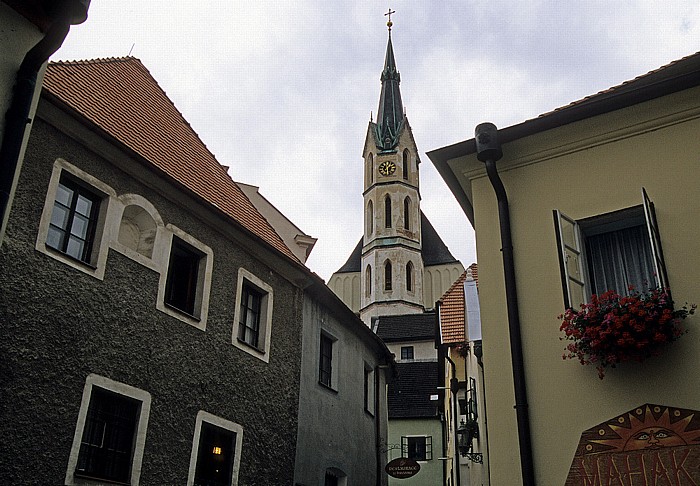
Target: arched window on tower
{"points": [[387, 275], [406, 159], [409, 277], [387, 211], [407, 213], [368, 281], [370, 218], [370, 169]]}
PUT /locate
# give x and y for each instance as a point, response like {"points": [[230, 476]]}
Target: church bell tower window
{"points": [[405, 164], [387, 275], [387, 211]]}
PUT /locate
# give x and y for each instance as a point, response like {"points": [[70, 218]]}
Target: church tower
{"points": [[400, 265], [391, 266]]}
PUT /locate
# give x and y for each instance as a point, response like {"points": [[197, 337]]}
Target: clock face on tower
{"points": [[387, 168]]}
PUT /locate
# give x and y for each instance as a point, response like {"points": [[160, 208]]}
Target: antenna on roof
{"points": [[130, 50]]}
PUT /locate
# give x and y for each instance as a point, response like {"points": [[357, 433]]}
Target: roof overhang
{"points": [[453, 161]]}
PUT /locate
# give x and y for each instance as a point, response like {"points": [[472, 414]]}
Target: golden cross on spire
{"points": [[390, 23]]}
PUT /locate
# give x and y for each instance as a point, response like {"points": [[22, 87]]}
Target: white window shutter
{"points": [[571, 260]]}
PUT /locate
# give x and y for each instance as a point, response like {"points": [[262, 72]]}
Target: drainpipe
{"points": [[377, 427], [489, 151], [17, 116], [454, 388]]}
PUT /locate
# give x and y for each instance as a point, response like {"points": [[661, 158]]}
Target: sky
{"points": [[282, 91]]}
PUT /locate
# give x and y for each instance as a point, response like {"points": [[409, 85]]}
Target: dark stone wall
{"points": [[58, 325]]}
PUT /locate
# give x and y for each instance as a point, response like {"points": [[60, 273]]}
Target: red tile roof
{"points": [[121, 97], [452, 308]]}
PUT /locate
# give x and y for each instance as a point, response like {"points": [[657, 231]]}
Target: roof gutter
{"points": [[489, 151], [17, 117]]}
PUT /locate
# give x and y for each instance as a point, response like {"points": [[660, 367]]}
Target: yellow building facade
{"points": [[589, 160]]}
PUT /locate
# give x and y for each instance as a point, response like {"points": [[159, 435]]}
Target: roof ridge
{"points": [[98, 60], [459, 280]]}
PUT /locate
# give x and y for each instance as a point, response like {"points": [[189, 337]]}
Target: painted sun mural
{"points": [[651, 445]]}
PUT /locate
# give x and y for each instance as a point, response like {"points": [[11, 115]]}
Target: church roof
{"points": [[407, 327], [121, 98], [434, 250], [390, 113], [409, 394]]}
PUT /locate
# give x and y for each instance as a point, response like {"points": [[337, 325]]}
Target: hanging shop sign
{"points": [[402, 468], [651, 445]]}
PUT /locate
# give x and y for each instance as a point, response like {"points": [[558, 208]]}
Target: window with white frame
{"points": [[183, 282], [417, 447], [613, 251], [110, 434], [72, 226], [253, 316], [73, 220], [216, 451], [184, 287]]}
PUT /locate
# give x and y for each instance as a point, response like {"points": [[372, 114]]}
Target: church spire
{"points": [[390, 113]]}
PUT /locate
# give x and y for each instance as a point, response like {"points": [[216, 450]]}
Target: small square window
{"points": [[182, 282], [418, 448], [73, 220], [406, 352]]}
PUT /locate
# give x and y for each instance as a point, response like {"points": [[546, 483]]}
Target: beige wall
{"points": [[584, 169]]}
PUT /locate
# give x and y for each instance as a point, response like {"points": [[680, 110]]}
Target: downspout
{"points": [[377, 427], [454, 388], [17, 116], [489, 151]]}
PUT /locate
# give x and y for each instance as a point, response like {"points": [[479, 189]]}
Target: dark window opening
{"points": [[325, 361], [249, 322], [106, 448], [215, 456], [73, 221], [387, 276], [405, 164], [409, 277], [417, 448], [183, 271], [406, 352], [387, 212], [407, 214]]}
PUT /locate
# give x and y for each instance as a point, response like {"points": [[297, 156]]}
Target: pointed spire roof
{"points": [[390, 114]]}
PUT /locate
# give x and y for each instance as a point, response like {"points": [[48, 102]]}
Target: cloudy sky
{"points": [[282, 91]]}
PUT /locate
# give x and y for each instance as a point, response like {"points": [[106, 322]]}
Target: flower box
{"points": [[613, 329]]}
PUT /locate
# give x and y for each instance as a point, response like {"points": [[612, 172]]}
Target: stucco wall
{"points": [[585, 169], [59, 325], [337, 431], [430, 473]]}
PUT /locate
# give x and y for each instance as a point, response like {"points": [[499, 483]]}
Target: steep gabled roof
{"points": [[433, 250], [120, 97], [408, 396], [452, 308], [407, 327]]}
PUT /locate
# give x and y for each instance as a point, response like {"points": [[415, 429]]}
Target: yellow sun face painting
{"points": [[651, 445]]}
